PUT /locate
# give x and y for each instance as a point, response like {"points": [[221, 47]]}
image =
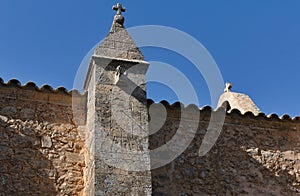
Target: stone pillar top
{"points": [[118, 18], [118, 44]]}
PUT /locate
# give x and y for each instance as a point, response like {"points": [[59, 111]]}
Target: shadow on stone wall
{"points": [[24, 170], [250, 160]]}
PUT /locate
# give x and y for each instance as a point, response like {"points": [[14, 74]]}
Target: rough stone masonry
{"points": [[101, 146]]}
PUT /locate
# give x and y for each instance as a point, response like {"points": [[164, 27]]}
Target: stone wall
{"points": [[44, 150], [253, 155], [41, 148]]}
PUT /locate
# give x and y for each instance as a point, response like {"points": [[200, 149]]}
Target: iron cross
{"points": [[119, 8]]}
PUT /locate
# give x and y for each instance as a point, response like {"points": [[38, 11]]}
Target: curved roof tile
{"points": [[176, 105], [273, 116], [44, 88]]}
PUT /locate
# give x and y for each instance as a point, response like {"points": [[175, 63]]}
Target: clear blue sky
{"points": [[256, 44]]}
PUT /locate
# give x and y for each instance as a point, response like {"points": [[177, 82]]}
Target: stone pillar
{"points": [[118, 161], [118, 158]]}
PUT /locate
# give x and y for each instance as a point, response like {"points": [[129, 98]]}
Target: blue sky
{"points": [[256, 44]]}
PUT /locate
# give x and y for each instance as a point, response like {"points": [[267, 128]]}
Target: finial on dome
{"points": [[239, 101], [228, 87]]}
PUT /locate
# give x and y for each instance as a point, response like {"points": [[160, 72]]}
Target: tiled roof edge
{"points": [[45, 88], [177, 105]]}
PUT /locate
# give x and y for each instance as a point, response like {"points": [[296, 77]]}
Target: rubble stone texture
{"points": [[41, 150], [253, 156], [54, 142]]}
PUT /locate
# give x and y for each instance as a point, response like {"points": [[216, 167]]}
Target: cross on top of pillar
{"points": [[119, 8]]}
